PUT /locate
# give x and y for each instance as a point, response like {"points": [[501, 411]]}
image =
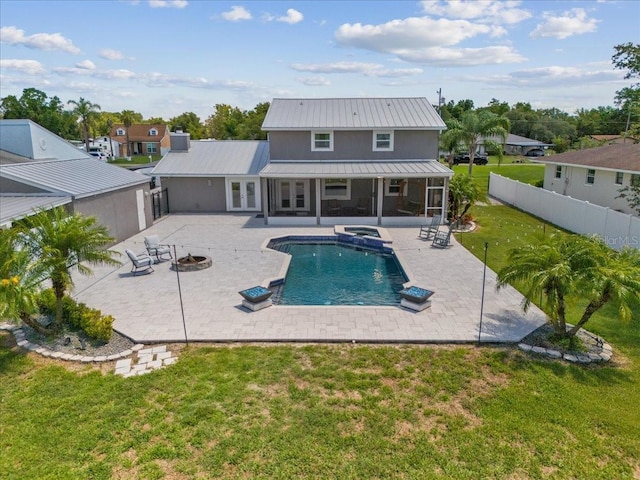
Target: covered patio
{"points": [[402, 192]]}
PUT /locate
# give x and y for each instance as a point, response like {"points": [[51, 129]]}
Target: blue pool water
{"points": [[337, 274]]}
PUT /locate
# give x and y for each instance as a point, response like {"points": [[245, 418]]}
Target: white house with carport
{"points": [[327, 161], [595, 175]]}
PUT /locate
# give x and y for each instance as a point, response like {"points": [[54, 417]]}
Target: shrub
{"points": [[96, 325]]}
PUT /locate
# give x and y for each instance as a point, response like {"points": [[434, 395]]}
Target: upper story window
{"points": [[619, 178], [395, 186], [591, 176], [153, 132], [558, 171], [322, 141], [383, 141], [120, 131]]}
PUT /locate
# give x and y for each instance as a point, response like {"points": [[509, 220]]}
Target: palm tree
{"points": [[476, 125], [561, 267], [463, 190], [127, 117], [85, 110], [20, 278], [63, 242], [449, 143]]}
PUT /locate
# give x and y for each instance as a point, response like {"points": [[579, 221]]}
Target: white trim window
{"points": [[336, 189], [635, 179], [558, 171], [619, 178], [383, 141], [152, 147], [392, 187], [591, 176], [153, 132], [120, 132], [322, 141]]}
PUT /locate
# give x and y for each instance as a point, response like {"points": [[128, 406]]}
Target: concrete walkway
{"points": [[147, 308]]}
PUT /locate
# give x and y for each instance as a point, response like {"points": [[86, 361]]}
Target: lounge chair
{"points": [[154, 247], [428, 231], [334, 208], [140, 262], [441, 238]]}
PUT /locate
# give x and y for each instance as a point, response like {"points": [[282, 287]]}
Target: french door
{"points": [[243, 194], [292, 195]]}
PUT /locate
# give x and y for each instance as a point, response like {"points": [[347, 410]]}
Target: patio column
{"points": [[380, 199], [318, 202], [265, 199], [445, 200]]}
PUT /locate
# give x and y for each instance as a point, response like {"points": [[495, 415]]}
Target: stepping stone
{"points": [[163, 355]]}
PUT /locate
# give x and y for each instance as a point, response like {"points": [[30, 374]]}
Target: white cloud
{"points": [[236, 14], [573, 22], [86, 65], [39, 41], [168, 3], [554, 75], [30, 67], [314, 81], [424, 40], [368, 69], [485, 11], [292, 16], [110, 54]]}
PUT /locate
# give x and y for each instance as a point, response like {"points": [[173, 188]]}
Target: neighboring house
{"points": [[517, 145], [144, 139], [611, 139], [594, 174], [327, 161], [38, 169], [108, 146]]}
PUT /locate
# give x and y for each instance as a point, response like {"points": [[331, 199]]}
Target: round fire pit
{"points": [[192, 263]]}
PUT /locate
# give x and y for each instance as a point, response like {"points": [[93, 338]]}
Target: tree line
{"points": [[548, 125]]}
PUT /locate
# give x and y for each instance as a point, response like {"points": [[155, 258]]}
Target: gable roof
{"points": [[79, 177], [352, 114], [215, 158], [621, 157], [139, 132]]}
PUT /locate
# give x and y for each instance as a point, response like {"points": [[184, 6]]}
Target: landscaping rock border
{"points": [[599, 352]]}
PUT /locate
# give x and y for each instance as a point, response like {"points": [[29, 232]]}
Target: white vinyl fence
{"points": [[617, 229]]}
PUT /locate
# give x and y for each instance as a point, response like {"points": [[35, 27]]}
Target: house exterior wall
{"points": [[117, 210], [11, 186], [353, 145], [574, 184], [195, 195]]}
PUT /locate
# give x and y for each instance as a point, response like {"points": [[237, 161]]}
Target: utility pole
{"points": [[440, 100]]}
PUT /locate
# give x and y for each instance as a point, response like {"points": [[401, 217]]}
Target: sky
{"points": [[162, 58]]}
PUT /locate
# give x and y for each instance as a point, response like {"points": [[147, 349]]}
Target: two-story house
{"points": [[327, 161], [143, 139]]}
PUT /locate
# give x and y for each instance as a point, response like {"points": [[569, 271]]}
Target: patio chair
{"points": [[429, 230], [334, 208], [362, 208], [154, 247], [442, 239], [140, 262]]}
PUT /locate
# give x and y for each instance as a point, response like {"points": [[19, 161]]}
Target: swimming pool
{"points": [[330, 272]]}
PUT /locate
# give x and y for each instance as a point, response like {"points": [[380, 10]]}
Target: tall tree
{"points": [[189, 122], [474, 126], [563, 267], [63, 243], [128, 118], [86, 112]]}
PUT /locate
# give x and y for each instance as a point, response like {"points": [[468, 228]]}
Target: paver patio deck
{"points": [[147, 307]]}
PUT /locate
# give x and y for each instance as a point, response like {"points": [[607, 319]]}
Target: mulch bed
{"points": [[542, 337]]}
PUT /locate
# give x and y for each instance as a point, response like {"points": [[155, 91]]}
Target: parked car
{"points": [[99, 155], [536, 152], [478, 159]]}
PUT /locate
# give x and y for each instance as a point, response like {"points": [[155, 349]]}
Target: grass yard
{"points": [[526, 173], [334, 411]]}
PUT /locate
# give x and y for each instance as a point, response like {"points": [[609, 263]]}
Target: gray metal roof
{"points": [[356, 169], [352, 113], [79, 177], [215, 158], [15, 207]]}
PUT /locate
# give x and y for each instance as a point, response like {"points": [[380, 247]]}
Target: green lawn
{"points": [[526, 173], [136, 160], [334, 411]]}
